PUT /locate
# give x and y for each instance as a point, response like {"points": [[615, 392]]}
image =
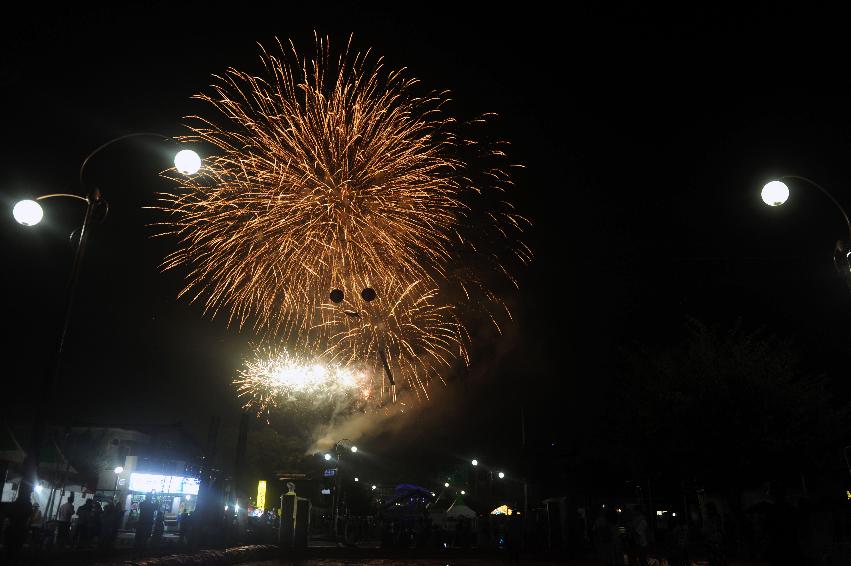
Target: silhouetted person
{"points": [[82, 536], [184, 525], [63, 521], [145, 522], [639, 537], [605, 538], [713, 531], [678, 542], [159, 525], [108, 527]]}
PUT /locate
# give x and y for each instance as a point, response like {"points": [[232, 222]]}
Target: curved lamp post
{"points": [[30, 213], [776, 193]]}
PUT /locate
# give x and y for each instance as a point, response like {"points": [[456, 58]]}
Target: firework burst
{"points": [[334, 174], [273, 377]]}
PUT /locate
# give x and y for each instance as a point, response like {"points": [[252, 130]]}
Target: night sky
{"points": [[646, 137]]}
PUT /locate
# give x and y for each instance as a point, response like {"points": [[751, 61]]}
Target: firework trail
{"points": [[331, 177]]}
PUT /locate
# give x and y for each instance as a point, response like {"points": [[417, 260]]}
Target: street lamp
{"points": [[29, 213], [475, 462], [501, 475], [775, 193]]}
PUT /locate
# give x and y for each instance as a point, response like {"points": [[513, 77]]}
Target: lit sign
{"points": [[261, 494], [163, 484]]}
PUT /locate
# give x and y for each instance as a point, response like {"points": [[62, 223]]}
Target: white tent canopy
{"points": [[459, 509]]}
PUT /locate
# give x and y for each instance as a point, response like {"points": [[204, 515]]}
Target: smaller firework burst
{"points": [[273, 378]]}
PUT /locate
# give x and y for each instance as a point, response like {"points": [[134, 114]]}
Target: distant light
{"points": [[236, 508], [187, 162], [501, 475], [432, 494], [475, 462], [356, 479], [188, 497], [38, 488], [463, 492], [354, 448], [619, 510], [446, 484], [28, 212], [227, 507], [775, 193], [119, 469], [659, 513], [673, 514], [373, 487], [327, 457]]}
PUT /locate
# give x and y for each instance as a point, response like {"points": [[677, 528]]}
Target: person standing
{"points": [[605, 539], [640, 536], [147, 508], [63, 521], [713, 530], [678, 541], [82, 535]]}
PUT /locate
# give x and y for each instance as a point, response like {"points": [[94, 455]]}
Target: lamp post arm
{"points": [[114, 140], [828, 195], [65, 195]]}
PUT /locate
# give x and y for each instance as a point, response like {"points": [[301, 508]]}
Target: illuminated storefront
{"points": [[172, 494]]}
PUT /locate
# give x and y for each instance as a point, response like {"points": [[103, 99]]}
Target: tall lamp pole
{"points": [[29, 213], [338, 492]]}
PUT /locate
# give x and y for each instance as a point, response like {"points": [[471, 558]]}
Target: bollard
{"points": [[289, 509]]}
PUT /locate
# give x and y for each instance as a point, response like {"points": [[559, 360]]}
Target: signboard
{"points": [[330, 472], [157, 483], [261, 494]]}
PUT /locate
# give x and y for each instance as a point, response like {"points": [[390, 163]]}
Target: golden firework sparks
{"points": [[334, 174], [273, 377]]}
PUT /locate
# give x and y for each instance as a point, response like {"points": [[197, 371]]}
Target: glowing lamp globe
{"points": [[775, 193], [118, 469], [187, 162], [327, 457], [501, 475], [475, 462], [28, 212], [354, 449]]}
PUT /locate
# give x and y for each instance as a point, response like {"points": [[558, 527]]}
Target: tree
{"points": [[726, 405]]}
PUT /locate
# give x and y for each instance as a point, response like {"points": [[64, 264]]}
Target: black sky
{"points": [[646, 136]]}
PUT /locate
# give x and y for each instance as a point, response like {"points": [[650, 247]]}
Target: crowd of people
{"points": [[95, 524], [79, 526]]}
